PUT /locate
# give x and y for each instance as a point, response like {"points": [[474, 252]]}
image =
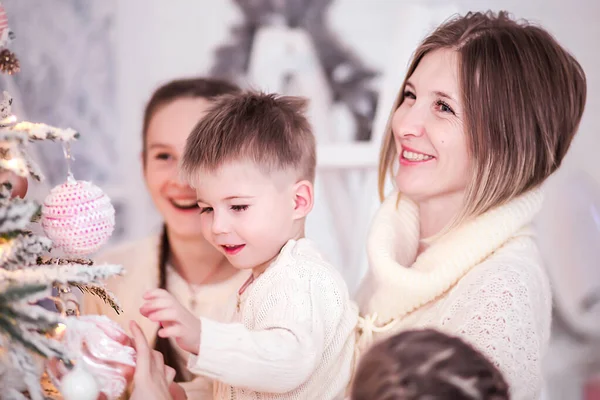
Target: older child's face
{"points": [[429, 133], [166, 137], [247, 214]]}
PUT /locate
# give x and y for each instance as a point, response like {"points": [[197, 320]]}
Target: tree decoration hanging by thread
{"points": [[9, 63]]}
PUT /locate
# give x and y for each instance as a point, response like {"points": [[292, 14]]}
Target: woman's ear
{"points": [[143, 161], [303, 199]]}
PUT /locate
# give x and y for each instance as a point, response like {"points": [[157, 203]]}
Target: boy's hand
{"points": [[175, 320]]}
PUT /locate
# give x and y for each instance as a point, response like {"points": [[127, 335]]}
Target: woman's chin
{"points": [[413, 190], [182, 225]]}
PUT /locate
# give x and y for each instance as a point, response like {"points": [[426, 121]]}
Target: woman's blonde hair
{"points": [[523, 96]]}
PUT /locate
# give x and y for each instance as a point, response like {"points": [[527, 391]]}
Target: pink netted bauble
{"points": [[78, 217]]}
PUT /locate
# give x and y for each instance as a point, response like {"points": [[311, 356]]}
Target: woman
{"points": [[487, 111], [180, 259]]}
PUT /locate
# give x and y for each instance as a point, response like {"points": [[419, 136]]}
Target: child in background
{"points": [[426, 364], [252, 161]]}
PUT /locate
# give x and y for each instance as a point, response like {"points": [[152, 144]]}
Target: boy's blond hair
{"points": [[267, 129]]}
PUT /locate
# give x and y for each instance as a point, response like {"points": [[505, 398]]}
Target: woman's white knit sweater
{"points": [[291, 337], [483, 282]]}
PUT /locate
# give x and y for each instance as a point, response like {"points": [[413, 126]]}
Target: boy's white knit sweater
{"points": [[291, 336]]}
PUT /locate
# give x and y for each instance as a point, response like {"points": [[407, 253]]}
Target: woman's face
{"points": [[167, 133], [434, 161]]}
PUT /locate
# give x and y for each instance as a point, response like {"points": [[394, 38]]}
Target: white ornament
{"points": [[78, 217], [79, 385]]}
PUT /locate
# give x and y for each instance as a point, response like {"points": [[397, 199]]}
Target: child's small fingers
{"points": [[169, 374], [164, 315], [154, 305], [169, 331], [156, 293]]}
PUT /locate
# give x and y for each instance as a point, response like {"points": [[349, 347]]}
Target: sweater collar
{"points": [[393, 243]]}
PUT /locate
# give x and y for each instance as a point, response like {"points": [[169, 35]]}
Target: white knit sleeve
{"points": [[277, 356], [502, 311]]}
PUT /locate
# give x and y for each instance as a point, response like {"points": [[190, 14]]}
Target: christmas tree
{"points": [[37, 341]]}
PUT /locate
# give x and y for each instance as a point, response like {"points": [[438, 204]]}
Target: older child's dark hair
{"points": [[187, 88], [427, 364], [267, 129]]}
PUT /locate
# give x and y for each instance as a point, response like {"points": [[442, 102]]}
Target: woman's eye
{"points": [[239, 208], [409, 95], [444, 107]]}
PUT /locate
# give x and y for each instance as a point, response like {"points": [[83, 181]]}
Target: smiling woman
{"points": [[487, 112], [180, 260]]}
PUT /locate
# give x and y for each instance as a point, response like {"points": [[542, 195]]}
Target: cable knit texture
{"points": [[292, 336], [483, 282]]}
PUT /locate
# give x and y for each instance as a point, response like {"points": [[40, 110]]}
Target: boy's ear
{"points": [[303, 199]]}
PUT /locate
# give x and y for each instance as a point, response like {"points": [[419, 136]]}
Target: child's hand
{"points": [[175, 320]]}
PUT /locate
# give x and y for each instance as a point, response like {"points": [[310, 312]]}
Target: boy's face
{"points": [[247, 214]]}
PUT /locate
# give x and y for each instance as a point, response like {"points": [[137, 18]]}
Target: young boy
{"points": [[252, 162]]}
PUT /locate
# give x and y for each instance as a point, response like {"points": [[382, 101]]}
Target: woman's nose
{"points": [[411, 123]]}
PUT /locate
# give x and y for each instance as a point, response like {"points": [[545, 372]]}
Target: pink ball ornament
{"points": [[78, 217]]}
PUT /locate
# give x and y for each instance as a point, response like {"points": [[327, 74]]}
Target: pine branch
{"points": [[15, 164], [14, 394], [9, 135], [62, 274], [31, 368], [37, 131], [23, 251], [50, 348], [5, 191], [14, 332], [38, 215], [29, 331], [18, 293], [100, 291], [64, 261], [33, 169], [16, 214], [38, 314]]}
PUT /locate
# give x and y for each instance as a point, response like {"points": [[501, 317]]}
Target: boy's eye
{"points": [[239, 208], [163, 156], [205, 209]]}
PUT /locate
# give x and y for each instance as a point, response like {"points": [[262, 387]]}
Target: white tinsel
{"points": [[110, 296], [62, 274]]}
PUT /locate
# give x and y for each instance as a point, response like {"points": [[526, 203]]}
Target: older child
{"points": [[291, 335]]}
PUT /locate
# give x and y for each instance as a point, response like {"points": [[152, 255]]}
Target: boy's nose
{"points": [[220, 225]]}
